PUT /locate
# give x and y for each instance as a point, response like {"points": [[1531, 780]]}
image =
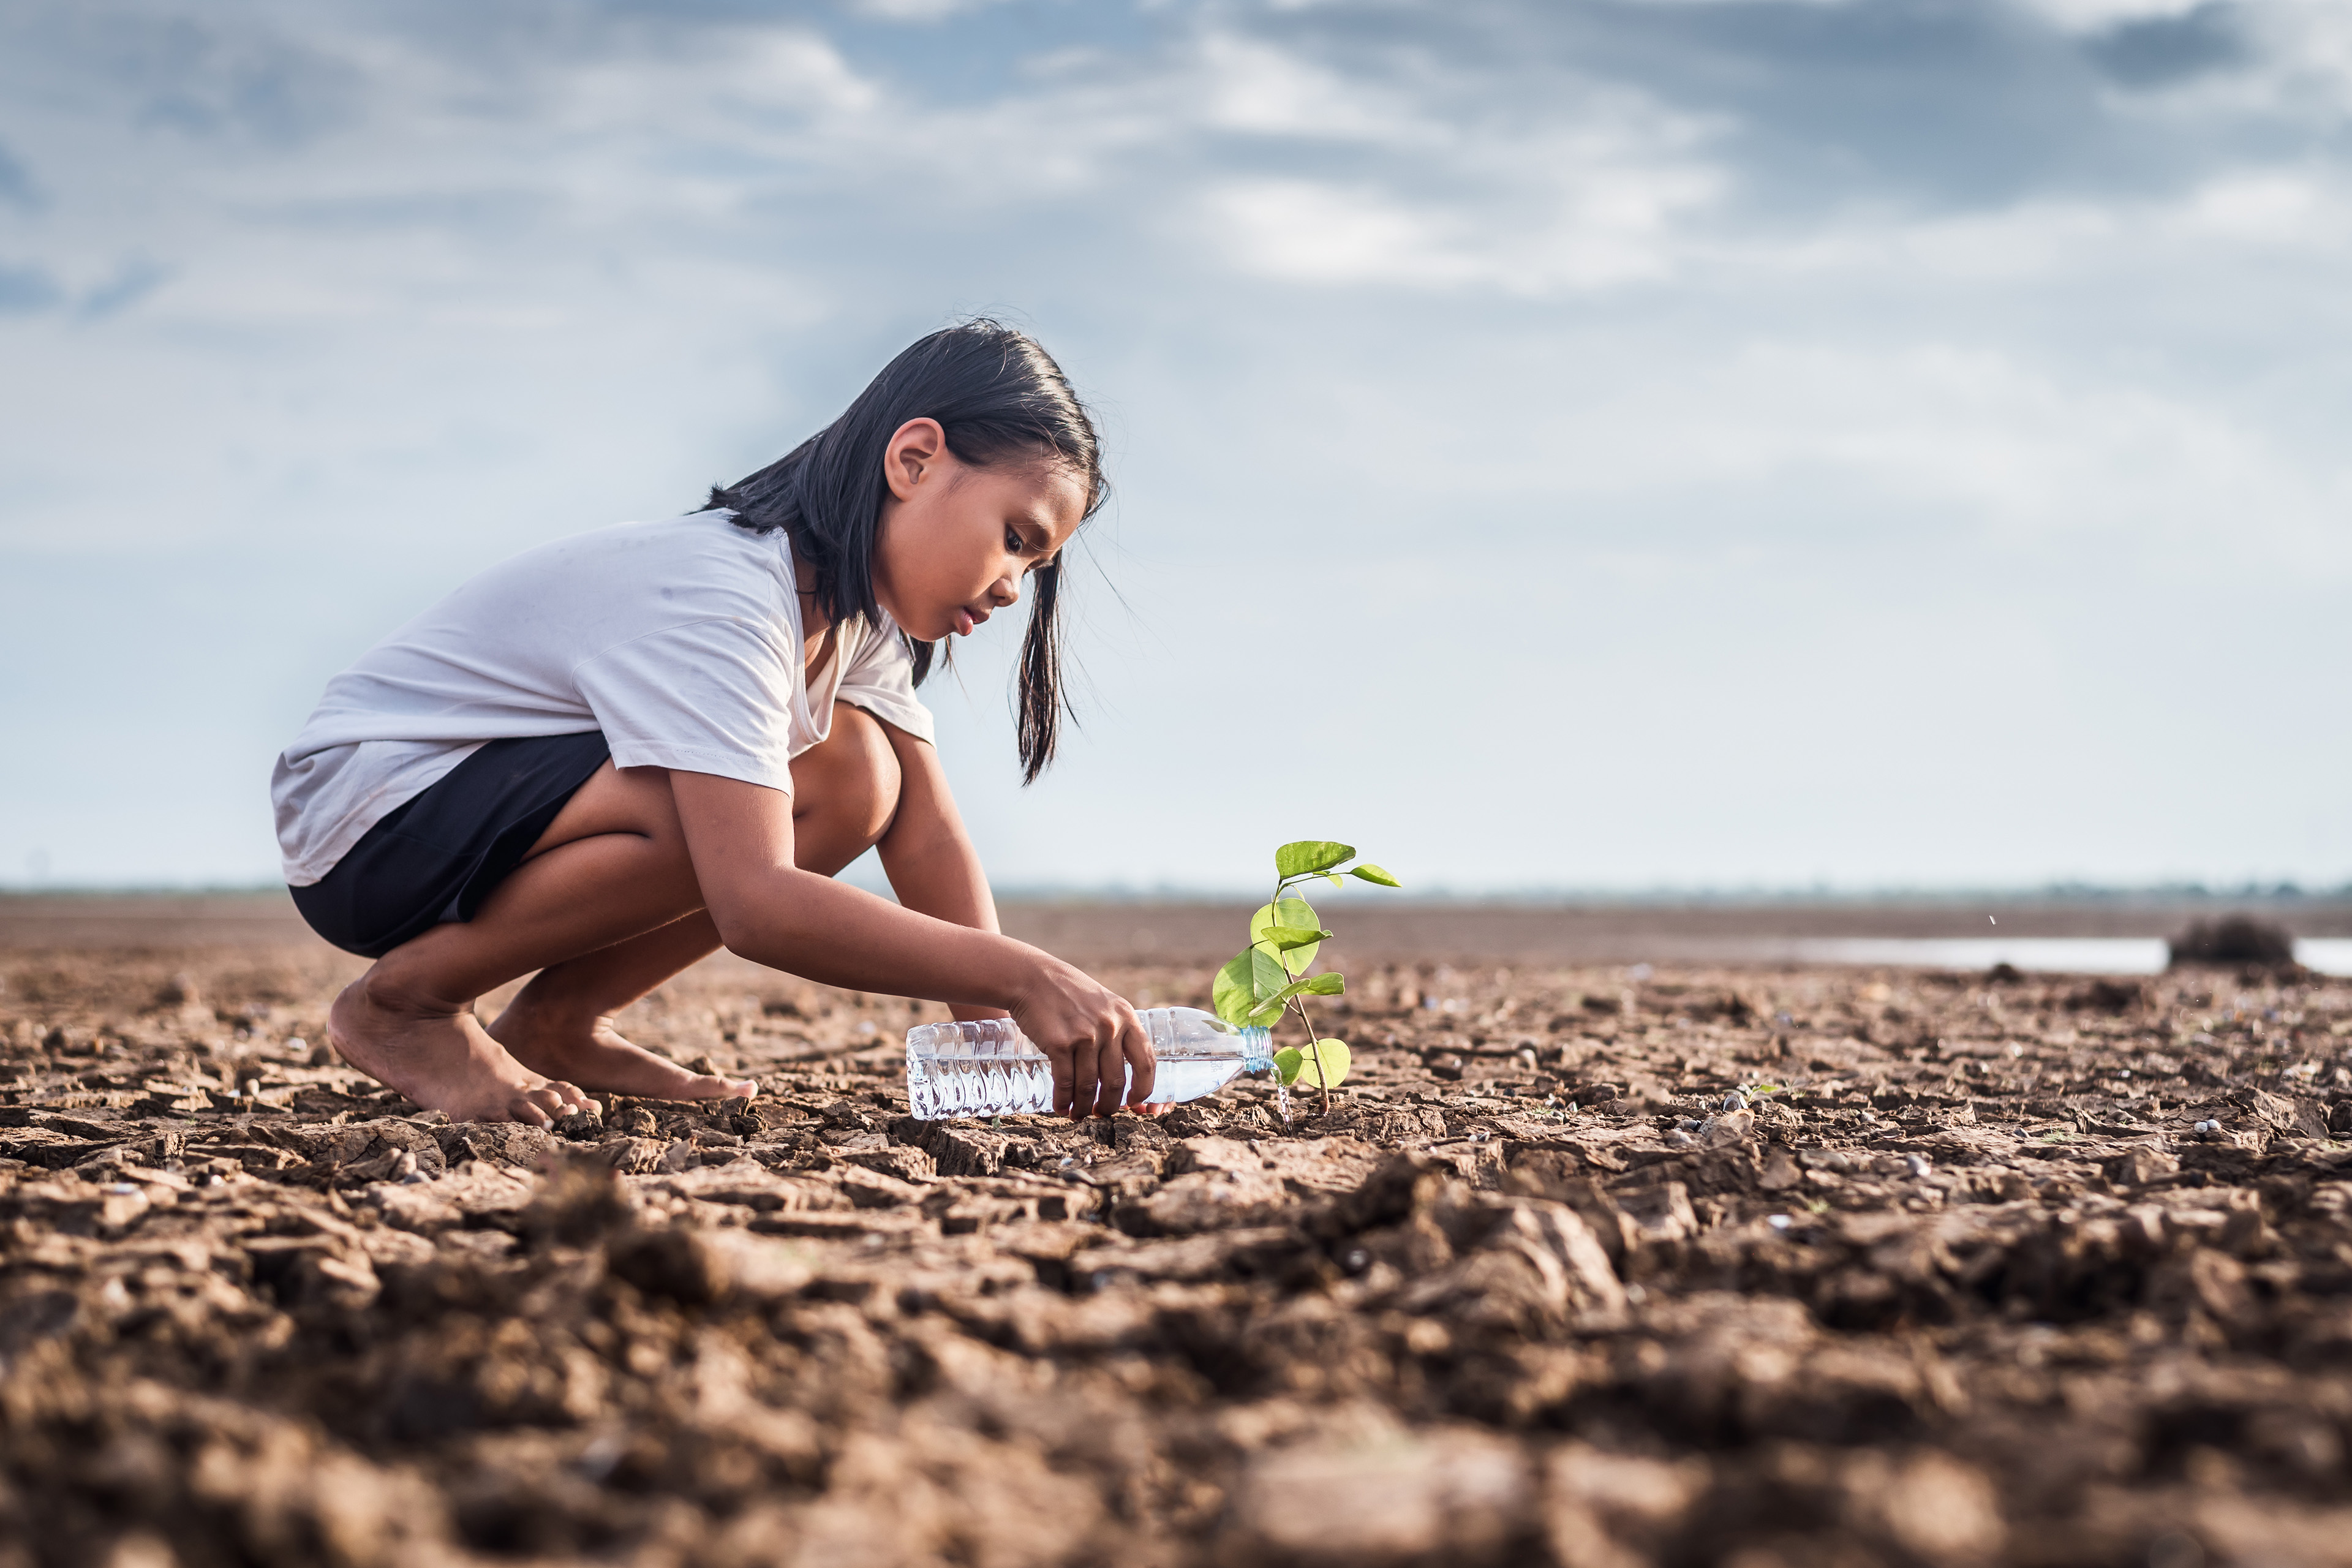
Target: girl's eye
{"points": [[1013, 541]]}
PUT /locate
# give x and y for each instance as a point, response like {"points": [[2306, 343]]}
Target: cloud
{"points": [[26, 289], [918, 10], [131, 282], [2161, 50], [1593, 229], [16, 186], [2089, 16]]}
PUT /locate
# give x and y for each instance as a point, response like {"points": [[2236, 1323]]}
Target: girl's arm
{"points": [[926, 852], [739, 837]]}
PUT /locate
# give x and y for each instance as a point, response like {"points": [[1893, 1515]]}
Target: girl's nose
{"points": [[1005, 590]]}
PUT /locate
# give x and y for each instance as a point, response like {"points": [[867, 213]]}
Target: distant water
{"points": [[2047, 954]]}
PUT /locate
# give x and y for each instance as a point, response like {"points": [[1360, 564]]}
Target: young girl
{"points": [[611, 755]]}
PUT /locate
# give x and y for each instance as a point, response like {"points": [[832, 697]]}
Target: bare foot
{"points": [[591, 1053], [443, 1061]]}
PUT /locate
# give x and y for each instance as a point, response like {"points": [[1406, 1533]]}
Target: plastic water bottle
{"points": [[991, 1069]]}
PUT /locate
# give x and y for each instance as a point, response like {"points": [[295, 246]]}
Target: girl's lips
{"points": [[963, 622]]}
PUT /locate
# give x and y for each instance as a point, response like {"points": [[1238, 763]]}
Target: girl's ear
{"points": [[916, 448]]}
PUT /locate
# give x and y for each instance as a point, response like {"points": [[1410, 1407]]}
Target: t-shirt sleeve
{"points": [[880, 678], [711, 696]]}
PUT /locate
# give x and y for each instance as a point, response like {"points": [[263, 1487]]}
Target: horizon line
{"points": [[2061, 890]]}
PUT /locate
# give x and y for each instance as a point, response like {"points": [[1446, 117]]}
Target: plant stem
{"points": [[1314, 1053], [1322, 1078]]}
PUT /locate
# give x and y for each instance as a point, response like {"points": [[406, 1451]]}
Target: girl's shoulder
{"points": [[675, 553], [639, 577]]}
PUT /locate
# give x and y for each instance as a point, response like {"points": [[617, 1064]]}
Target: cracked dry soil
{"points": [[1971, 1288]]}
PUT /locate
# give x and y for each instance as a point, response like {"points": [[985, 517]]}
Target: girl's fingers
{"points": [[1111, 1061], [1085, 1057], [1065, 1060], [1135, 1052]]}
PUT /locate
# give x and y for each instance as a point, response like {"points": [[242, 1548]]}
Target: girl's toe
{"points": [[547, 1102]]}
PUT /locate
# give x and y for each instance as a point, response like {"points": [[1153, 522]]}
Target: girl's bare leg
{"points": [[561, 1024], [613, 866], [608, 901]]}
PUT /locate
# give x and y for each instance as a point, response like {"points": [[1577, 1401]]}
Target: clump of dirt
{"points": [[2231, 941], [1586, 1267]]}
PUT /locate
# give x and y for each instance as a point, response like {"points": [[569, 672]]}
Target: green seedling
{"points": [[1269, 977]]}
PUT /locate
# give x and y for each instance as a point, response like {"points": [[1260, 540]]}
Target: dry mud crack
{"points": [[2045, 1272]]}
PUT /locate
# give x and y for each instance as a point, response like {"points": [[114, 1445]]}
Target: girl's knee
{"points": [[852, 778], [875, 789]]}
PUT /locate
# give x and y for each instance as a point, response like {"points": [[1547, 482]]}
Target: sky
{"points": [[1592, 444]]}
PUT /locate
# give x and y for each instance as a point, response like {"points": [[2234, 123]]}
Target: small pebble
{"points": [[1678, 1139], [414, 1178], [1734, 1100], [1777, 1221], [2208, 1127], [1919, 1166], [123, 1189], [602, 1457]]}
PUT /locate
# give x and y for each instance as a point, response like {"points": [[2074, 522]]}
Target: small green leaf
{"points": [[1233, 996], [1325, 1067], [1287, 914], [1286, 1062], [1266, 973], [1284, 938], [1371, 873], [1295, 913], [1331, 982], [1310, 854]]}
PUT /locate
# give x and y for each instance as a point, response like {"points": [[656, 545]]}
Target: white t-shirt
{"points": [[680, 640]]}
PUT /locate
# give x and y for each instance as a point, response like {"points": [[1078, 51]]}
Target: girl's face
{"points": [[957, 540]]}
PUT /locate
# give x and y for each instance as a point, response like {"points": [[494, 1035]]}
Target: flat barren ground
{"points": [[1987, 1271]]}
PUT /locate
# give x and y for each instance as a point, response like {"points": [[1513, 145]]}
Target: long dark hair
{"points": [[1000, 397]]}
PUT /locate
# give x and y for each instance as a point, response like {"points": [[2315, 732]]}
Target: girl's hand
{"points": [[1090, 1035]]}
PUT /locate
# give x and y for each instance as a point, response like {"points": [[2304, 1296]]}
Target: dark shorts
{"points": [[437, 858]]}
